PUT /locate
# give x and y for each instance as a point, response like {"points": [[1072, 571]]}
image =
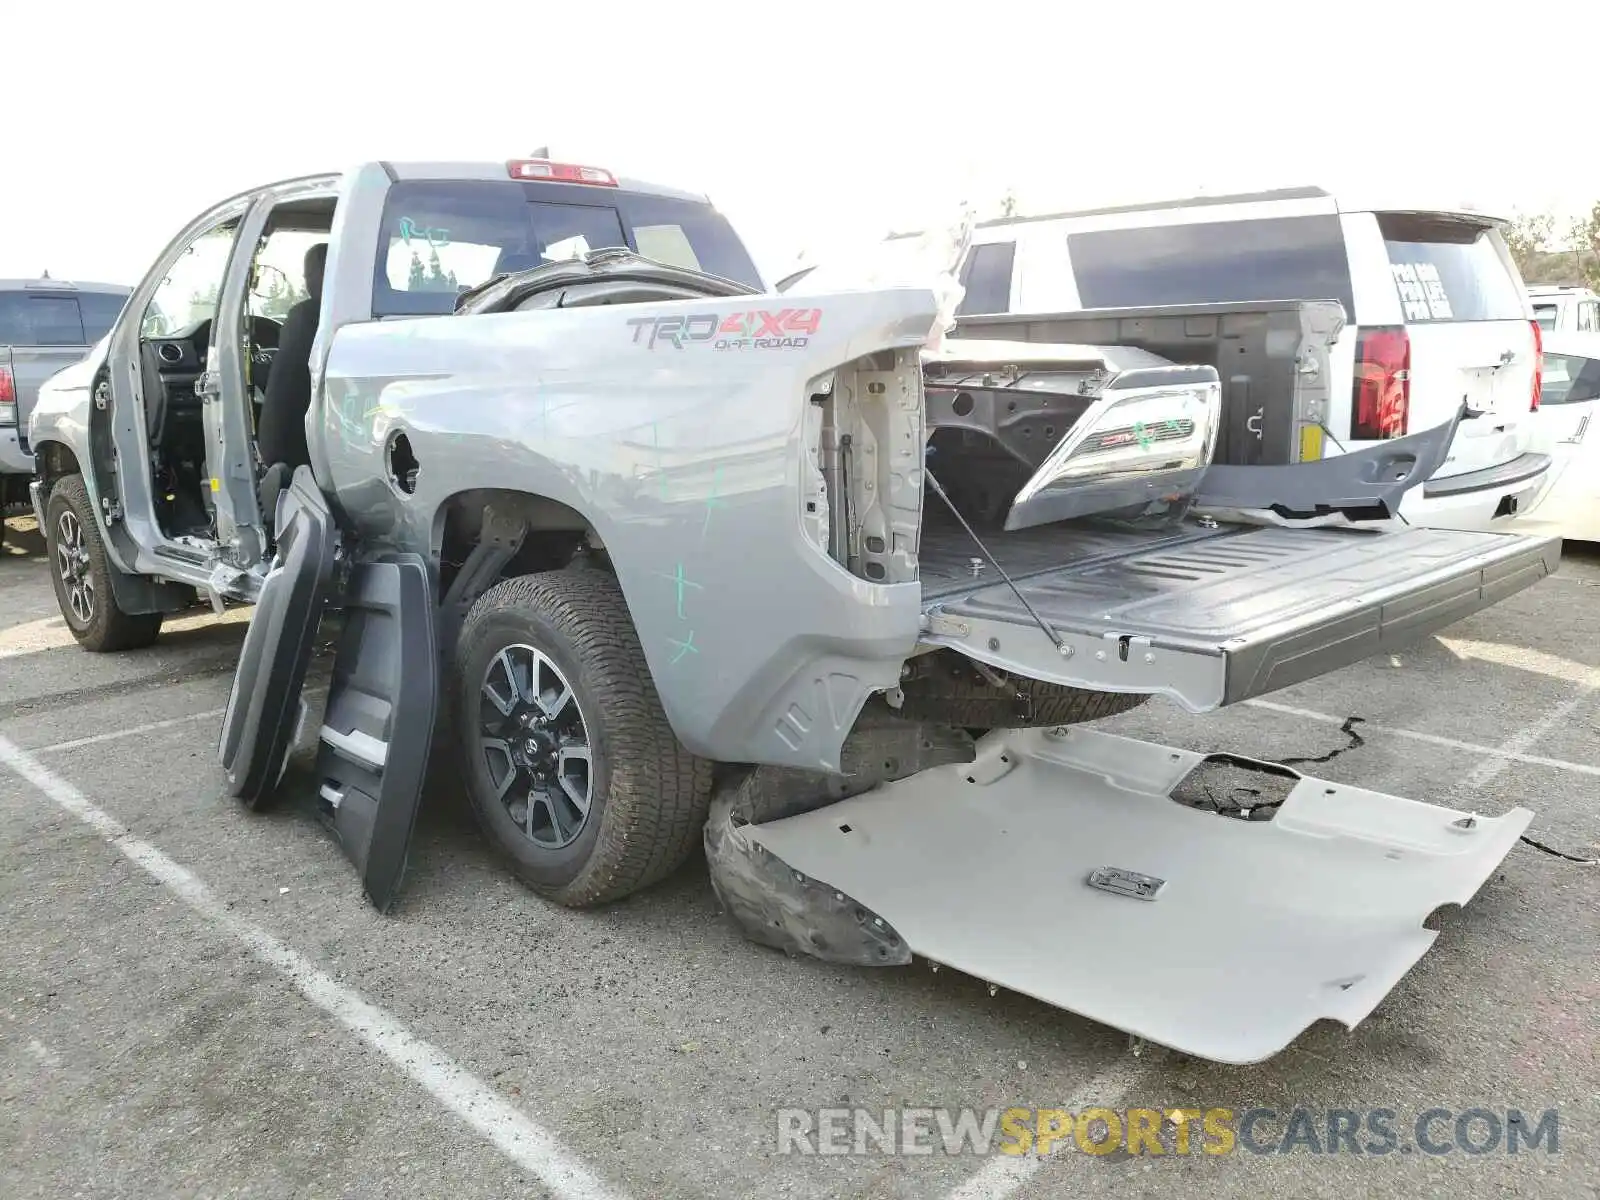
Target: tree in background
{"points": [[279, 297], [1543, 259], [1526, 235], [432, 278], [201, 305], [440, 280], [1586, 246]]}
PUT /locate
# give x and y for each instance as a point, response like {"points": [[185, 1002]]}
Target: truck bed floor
{"points": [[948, 551]]}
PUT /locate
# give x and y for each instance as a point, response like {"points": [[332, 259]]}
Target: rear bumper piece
{"points": [[1508, 474], [1220, 620], [1250, 930]]}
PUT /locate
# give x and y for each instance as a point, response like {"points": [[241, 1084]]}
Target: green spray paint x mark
{"points": [[1143, 434], [713, 501], [680, 581], [685, 647]]}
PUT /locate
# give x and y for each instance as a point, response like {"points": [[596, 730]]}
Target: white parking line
{"points": [[1002, 1175], [1529, 734], [152, 727], [124, 733], [474, 1102], [1504, 755]]}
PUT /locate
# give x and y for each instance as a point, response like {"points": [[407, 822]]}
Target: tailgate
{"points": [[1211, 617], [30, 367]]}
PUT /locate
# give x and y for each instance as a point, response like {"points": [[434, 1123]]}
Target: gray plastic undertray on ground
{"points": [[1220, 937]]}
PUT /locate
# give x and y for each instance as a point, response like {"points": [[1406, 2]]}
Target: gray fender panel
{"points": [[1362, 485]]}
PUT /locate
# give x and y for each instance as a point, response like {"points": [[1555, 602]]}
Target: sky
{"points": [[815, 127]]}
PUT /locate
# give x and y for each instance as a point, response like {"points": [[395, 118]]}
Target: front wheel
{"points": [[571, 767], [81, 573]]}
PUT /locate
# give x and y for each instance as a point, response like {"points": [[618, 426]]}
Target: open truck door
{"points": [[378, 723]]}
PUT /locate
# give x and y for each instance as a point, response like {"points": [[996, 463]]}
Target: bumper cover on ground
{"points": [[1057, 864]]}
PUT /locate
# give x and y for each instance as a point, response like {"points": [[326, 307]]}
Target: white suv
{"points": [[1568, 309], [1436, 308]]}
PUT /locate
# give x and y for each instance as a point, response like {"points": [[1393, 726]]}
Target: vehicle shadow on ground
{"points": [[178, 657], [1587, 553], [22, 540]]}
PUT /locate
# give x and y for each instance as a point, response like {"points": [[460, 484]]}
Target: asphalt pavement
{"points": [[196, 1001]]}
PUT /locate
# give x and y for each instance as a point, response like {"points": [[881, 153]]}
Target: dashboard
{"points": [[180, 358]]}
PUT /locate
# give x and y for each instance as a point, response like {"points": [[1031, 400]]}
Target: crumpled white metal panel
{"points": [[1256, 930]]}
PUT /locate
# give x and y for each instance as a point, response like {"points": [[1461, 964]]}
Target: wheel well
{"points": [[54, 461], [555, 533], [488, 534]]}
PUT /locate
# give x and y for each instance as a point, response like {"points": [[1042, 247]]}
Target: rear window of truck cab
{"points": [[57, 318], [1449, 269], [442, 237]]}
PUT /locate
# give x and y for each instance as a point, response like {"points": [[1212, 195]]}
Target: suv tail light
{"points": [[1538, 366], [8, 398], [1380, 399]]}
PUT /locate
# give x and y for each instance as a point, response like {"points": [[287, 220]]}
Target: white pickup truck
{"points": [[662, 559]]}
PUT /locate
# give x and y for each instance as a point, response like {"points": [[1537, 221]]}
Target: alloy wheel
{"points": [[536, 746]]}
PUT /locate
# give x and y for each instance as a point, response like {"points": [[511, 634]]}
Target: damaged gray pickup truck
{"points": [[664, 560]]}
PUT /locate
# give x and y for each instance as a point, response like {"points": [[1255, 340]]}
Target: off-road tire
{"points": [[108, 629], [959, 695], [650, 794]]}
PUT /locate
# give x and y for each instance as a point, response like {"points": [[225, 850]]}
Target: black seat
{"points": [[155, 395], [281, 435], [508, 262]]}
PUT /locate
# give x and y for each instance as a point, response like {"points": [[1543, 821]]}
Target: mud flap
{"points": [[264, 705], [378, 725], [1058, 864]]}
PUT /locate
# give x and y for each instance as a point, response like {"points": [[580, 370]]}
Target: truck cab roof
{"points": [[468, 169], [64, 285]]}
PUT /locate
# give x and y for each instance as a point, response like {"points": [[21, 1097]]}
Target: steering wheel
{"points": [[261, 270]]}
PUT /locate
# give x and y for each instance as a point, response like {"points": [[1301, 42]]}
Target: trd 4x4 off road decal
{"points": [[786, 329]]}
